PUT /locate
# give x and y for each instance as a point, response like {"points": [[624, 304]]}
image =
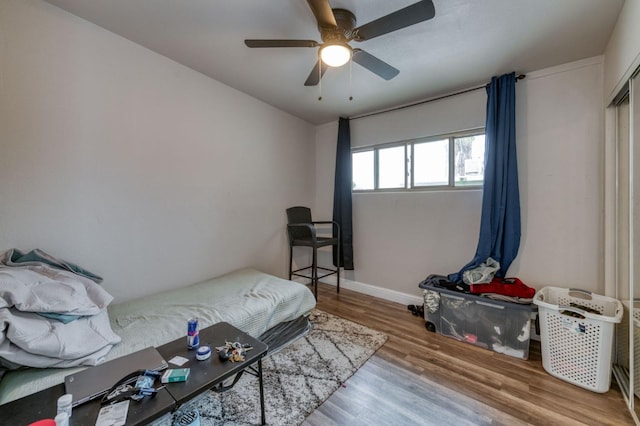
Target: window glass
{"points": [[363, 170], [469, 160], [392, 167], [455, 160], [431, 163]]}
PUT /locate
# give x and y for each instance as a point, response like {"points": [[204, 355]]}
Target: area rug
{"points": [[298, 378]]}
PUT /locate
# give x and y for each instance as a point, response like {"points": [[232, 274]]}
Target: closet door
{"points": [[633, 324], [623, 368], [627, 242], [627, 246]]}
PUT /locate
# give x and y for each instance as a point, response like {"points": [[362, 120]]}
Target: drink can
{"points": [[193, 335]]}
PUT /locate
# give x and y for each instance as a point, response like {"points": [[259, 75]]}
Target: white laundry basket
{"points": [[577, 342]]}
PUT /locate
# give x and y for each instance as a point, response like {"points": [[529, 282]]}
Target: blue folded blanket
{"points": [[15, 257]]}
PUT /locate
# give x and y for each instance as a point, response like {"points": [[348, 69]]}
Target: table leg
{"points": [[261, 391]]}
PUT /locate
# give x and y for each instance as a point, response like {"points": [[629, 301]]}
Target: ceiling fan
{"points": [[336, 28]]}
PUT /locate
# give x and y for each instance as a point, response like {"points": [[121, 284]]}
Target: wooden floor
{"points": [[421, 378]]}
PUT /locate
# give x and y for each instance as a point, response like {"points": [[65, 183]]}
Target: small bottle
{"points": [[64, 404], [193, 337], [62, 419]]}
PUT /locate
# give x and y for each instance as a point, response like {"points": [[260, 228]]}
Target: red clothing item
{"points": [[506, 286]]}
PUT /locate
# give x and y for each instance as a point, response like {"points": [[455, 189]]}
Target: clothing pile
{"points": [[53, 313], [482, 281], [507, 289]]}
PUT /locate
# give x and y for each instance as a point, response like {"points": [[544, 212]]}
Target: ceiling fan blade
{"points": [[402, 18], [322, 11], [374, 64], [314, 76], [281, 43]]}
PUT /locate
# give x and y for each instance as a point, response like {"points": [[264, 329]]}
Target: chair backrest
{"points": [[298, 214]]}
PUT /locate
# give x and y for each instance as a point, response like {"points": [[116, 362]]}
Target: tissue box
{"points": [[175, 375]]}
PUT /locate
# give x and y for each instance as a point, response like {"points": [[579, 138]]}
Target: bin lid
{"points": [[483, 299]]}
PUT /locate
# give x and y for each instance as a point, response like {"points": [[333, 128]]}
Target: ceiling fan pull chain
{"points": [[319, 77], [351, 78]]}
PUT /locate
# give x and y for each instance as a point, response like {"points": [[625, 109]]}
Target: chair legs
{"points": [[338, 264], [314, 270], [314, 273], [290, 262]]}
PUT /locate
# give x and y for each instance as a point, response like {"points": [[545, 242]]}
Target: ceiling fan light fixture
{"points": [[335, 55]]}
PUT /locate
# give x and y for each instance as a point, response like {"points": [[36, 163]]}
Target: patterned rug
{"points": [[298, 378]]}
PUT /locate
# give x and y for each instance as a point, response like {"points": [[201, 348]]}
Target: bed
{"points": [[262, 305]]}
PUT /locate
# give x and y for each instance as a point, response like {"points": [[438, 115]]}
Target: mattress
{"points": [[248, 299]]}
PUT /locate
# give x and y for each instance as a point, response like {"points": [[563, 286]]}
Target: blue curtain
{"points": [[500, 221], [342, 196]]}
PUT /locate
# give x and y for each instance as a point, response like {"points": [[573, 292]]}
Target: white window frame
{"points": [[409, 163]]}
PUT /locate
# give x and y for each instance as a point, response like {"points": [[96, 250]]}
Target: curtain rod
{"points": [[461, 92]]}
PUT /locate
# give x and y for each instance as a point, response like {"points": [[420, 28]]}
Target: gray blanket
{"points": [[15, 257]]}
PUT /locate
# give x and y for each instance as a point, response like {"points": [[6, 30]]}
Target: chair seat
{"points": [[320, 242]]}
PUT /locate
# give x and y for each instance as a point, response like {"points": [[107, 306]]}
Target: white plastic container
{"points": [[62, 419], [64, 404], [576, 333], [496, 325]]}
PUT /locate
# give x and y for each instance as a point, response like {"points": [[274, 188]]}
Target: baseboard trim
{"points": [[372, 290]]}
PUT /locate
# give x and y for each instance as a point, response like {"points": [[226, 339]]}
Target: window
{"points": [[469, 155], [431, 163], [362, 163], [448, 161], [392, 167]]}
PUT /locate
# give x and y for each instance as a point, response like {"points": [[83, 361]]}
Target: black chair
{"points": [[301, 231]]}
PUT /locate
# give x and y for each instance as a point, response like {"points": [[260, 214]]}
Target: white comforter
{"points": [[29, 339]]}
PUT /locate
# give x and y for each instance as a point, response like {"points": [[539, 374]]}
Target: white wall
{"points": [[560, 133], [399, 238], [138, 168]]}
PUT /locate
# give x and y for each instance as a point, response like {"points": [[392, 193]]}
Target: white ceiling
{"points": [[466, 43]]}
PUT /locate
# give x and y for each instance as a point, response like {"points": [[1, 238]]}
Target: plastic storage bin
{"points": [[576, 334], [500, 326]]}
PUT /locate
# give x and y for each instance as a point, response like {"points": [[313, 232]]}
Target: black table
{"points": [[211, 373], [42, 405], [204, 375]]}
